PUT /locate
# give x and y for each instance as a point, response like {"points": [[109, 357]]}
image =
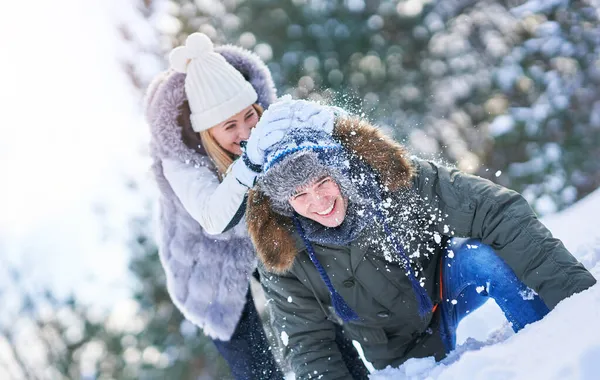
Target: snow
{"points": [[537, 6], [567, 341], [284, 338], [501, 125]]}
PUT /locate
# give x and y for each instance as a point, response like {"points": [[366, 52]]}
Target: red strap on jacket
{"points": [[441, 286]]}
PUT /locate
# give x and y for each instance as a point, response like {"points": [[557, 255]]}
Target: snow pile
{"points": [[564, 345]]}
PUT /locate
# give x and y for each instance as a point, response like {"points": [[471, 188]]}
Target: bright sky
{"points": [[70, 134]]}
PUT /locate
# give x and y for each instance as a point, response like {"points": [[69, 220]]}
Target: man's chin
{"points": [[330, 223]]}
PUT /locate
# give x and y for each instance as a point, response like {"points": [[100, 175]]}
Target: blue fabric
{"points": [[320, 149], [300, 138], [248, 353], [472, 273], [342, 309]]}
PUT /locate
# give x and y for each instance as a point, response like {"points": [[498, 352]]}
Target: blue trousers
{"points": [[471, 274], [249, 355]]}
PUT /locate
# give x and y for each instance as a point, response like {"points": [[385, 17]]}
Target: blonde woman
{"points": [[200, 112]]}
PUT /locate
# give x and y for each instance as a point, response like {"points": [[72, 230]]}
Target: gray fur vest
{"points": [[207, 275]]}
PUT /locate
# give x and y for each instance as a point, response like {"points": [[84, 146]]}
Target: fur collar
{"points": [[166, 96], [272, 234]]}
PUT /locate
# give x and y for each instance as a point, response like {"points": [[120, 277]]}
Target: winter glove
{"points": [[244, 172], [283, 115], [289, 113]]}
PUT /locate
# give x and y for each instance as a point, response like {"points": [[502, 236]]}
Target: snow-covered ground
{"points": [[564, 345]]}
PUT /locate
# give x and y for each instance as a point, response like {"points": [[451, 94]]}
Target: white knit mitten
{"points": [[283, 115]]}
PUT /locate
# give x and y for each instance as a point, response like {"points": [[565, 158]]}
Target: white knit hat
{"points": [[215, 89]]}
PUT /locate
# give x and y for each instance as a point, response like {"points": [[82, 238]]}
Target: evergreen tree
{"points": [[189, 354], [44, 337], [548, 142], [437, 74]]}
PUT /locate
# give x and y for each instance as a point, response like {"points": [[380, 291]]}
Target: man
{"points": [[352, 231]]}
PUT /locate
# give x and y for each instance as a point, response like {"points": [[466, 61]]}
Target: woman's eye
{"points": [[299, 195]]}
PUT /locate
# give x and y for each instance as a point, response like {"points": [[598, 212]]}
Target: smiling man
{"points": [[320, 201], [352, 231]]}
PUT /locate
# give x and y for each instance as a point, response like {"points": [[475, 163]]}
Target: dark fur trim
{"points": [[272, 234], [384, 155]]}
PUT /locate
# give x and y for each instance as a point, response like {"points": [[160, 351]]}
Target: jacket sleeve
{"points": [[216, 206], [471, 206], [308, 336]]}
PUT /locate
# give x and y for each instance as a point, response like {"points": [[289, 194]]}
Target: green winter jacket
{"points": [[437, 203]]}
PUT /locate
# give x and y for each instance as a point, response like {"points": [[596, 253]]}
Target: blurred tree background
{"points": [[509, 90], [43, 337]]}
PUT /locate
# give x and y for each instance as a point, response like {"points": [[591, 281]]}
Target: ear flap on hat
{"points": [[384, 155], [270, 232]]}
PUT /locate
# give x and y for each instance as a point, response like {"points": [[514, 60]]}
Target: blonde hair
{"points": [[220, 157]]}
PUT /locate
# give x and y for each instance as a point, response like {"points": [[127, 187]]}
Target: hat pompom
{"points": [[196, 45], [179, 59]]}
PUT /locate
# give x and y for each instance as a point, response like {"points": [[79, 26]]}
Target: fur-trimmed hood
{"points": [[166, 96], [273, 234]]}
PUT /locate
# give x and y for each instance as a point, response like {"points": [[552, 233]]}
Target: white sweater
{"points": [[217, 206]]}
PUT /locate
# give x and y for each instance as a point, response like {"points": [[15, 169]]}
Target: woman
{"points": [[199, 114], [368, 239]]}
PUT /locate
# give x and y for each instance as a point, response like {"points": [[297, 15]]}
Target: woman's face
{"points": [[232, 131], [321, 201]]}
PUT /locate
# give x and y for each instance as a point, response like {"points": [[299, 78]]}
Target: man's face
{"points": [[321, 201]]}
